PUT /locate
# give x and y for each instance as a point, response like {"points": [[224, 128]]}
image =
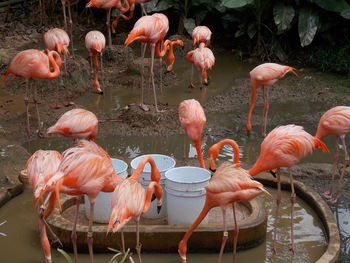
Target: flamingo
{"points": [[150, 30], [40, 167], [85, 169], [335, 121], [201, 34], [130, 200], [70, 19], [32, 63], [57, 39], [108, 5], [95, 42], [203, 58], [265, 75], [76, 123], [285, 146], [192, 119], [229, 184], [131, 14], [171, 55]]}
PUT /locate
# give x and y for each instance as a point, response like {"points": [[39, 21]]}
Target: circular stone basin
{"points": [[157, 236]]}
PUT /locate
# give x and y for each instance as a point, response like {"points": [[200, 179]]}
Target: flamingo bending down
{"points": [[201, 34], [149, 30], [130, 200], [203, 58], [34, 64], [192, 119], [108, 5], [76, 123], [85, 169], [132, 4], [40, 167], [95, 42], [171, 55], [285, 146], [265, 75], [335, 121], [229, 184]]}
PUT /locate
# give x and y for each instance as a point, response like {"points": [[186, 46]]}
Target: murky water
{"points": [[22, 242]]}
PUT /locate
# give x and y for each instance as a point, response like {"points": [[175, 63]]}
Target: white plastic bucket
{"points": [[103, 200], [164, 163], [185, 194]]}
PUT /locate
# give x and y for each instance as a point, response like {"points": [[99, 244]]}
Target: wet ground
{"points": [[127, 131]]}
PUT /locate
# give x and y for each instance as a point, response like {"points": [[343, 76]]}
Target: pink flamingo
{"points": [[149, 30], [192, 119], [95, 42], [265, 75], [34, 64], [108, 5], [76, 123], [132, 4], [335, 121], [40, 167], [130, 200], [57, 39], [284, 146], [85, 169], [201, 34], [229, 184], [203, 58]]}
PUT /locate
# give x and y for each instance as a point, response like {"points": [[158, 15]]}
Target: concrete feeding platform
{"points": [[157, 236]]}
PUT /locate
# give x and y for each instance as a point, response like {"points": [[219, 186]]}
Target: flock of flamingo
{"points": [[86, 168]]}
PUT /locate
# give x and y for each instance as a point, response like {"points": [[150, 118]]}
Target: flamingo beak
{"points": [[273, 172]]}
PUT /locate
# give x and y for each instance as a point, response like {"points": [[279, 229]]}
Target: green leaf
{"points": [[346, 13], [189, 25], [332, 5], [235, 3], [150, 6], [251, 30], [66, 256], [283, 16], [307, 25]]}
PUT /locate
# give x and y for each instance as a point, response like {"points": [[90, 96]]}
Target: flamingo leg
{"points": [[143, 51], [184, 148], [64, 15], [191, 85], [26, 102], [102, 74], [265, 109], [90, 233], [278, 202], [292, 201], [71, 28], [152, 77], [330, 192], [123, 241], [235, 232], [161, 74], [346, 164], [37, 108], [74, 230], [65, 65], [224, 236], [109, 28], [45, 244], [138, 244]]}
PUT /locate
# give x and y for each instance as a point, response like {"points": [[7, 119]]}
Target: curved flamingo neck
{"points": [[251, 107], [235, 148], [153, 187], [161, 53], [197, 144], [127, 6], [155, 175], [54, 59]]}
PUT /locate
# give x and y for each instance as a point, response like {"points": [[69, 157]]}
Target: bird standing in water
{"points": [[285, 146], [130, 200], [335, 121], [192, 119], [85, 169], [265, 75], [95, 42], [34, 64], [41, 166], [149, 30], [203, 59]]}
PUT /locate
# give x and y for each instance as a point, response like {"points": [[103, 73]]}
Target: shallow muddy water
{"points": [[22, 242]]}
